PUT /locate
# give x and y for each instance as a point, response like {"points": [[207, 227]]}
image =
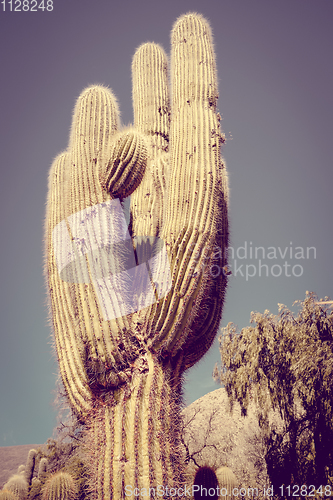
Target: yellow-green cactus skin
{"points": [[30, 465], [7, 495], [121, 353], [60, 486], [18, 485], [227, 482]]}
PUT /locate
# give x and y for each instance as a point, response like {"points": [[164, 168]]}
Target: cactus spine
{"points": [[122, 370], [60, 486]]}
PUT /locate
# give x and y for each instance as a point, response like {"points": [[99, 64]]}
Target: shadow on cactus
{"points": [[125, 335], [205, 484]]}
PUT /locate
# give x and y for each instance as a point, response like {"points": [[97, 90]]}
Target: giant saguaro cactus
{"points": [[128, 322]]}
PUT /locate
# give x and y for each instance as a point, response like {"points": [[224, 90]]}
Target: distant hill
{"points": [[11, 457], [216, 437]]}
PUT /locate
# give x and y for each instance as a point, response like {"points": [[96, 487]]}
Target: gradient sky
{"points": [[275, 71]]}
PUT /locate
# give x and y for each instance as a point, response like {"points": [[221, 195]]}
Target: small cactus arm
{"points": [[42, 469], [123, 348], [30, 465], [38, 482]]}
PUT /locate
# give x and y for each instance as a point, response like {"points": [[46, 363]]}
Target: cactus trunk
{"points": [[133, 439]]}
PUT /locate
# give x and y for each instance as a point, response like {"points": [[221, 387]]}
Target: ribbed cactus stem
{"points": [[227, 481], [194, 226], [150, 95], [192, 197], [127, 164], [152, 117], [18, 485], [30, 465], [130, 440], [86, 223], [7, 495], [42, 469], [60, 486]]}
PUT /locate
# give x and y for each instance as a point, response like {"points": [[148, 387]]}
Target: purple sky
{"points": [[276, 78]]}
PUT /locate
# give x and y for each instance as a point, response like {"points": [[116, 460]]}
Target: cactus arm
{"points": [[29, 466], [193, 216], [194, 220], [42, 469], [99, 163], [151, 104], [126, 165], [70, 362]]}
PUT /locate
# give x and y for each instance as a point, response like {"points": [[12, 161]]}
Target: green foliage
{"points": [[286, 364]]}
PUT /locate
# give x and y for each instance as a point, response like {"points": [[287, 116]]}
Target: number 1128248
{"points": [[27, 5]]}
